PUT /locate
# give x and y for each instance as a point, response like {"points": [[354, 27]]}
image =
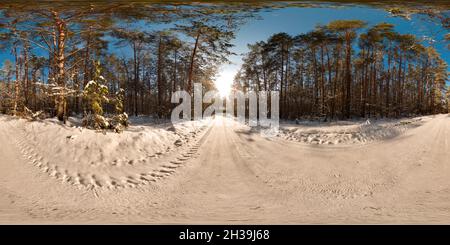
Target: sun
{"points": [[224, 81]]}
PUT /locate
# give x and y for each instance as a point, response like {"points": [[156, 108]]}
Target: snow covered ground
{"points": [[219, 171], [89, 158]]}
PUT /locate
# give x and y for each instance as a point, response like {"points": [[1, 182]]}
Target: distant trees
{"points": [[320, 74], [211, 44], [6, 92], [54, 46], [136, 40]]}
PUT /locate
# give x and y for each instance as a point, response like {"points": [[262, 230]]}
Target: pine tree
{"points": [[392, 74], [95, 94], [347, 30]]}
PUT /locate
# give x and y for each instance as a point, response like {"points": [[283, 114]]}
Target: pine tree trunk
{"points": [[25, 75], [191, 66], [61, 103], [16, 83], [388, 81], [159, 80], [348, 75]]}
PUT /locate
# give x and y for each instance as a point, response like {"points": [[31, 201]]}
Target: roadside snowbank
{"points": [[91, 158], [347, 132]]}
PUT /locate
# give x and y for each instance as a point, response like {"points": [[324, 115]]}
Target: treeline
{"points": [[58, 49], [345, 69]]}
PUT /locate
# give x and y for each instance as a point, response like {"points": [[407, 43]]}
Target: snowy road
{"points": [[234, 175]]}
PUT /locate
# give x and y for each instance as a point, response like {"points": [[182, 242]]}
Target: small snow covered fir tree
{"points": [[120, 120], [95, 94]]}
